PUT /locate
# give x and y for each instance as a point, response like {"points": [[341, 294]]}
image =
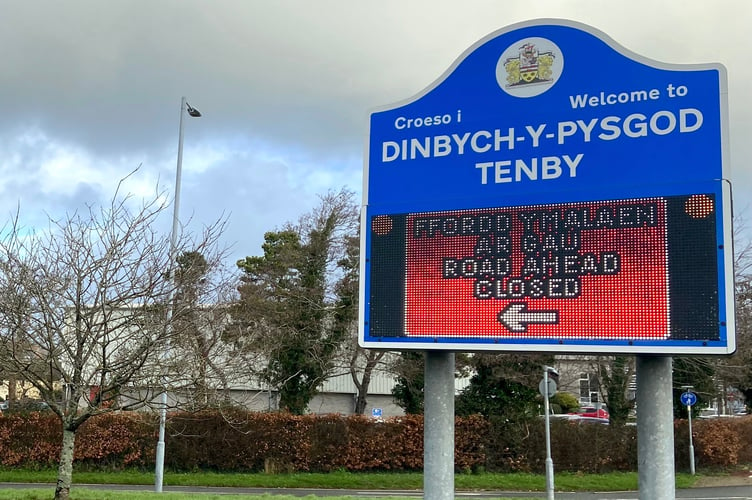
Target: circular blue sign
{"points": [[688, 398]]}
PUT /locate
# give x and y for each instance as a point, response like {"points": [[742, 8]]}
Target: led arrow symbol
{"points": [[516, 317]]}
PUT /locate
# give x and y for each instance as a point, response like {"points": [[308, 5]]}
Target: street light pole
{"points": [[159, 467]]}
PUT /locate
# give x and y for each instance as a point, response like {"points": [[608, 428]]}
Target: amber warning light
{"points": [[576, 272]]}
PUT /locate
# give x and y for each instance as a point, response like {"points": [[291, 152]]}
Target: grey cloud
{"points": [[290, 76]]}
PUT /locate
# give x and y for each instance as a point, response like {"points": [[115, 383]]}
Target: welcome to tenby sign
{"points": [[552, 191]]}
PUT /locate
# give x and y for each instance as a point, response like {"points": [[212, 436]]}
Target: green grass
{"points": [[84, 494], [617, 481]]}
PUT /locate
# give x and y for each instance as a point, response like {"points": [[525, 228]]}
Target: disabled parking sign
{"points": [[552, 191]]}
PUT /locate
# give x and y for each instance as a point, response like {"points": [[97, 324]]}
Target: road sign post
{"points": [[438, 431], [655, 428], [689, 399], [548, 389]]}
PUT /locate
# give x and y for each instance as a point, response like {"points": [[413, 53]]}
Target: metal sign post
{"points": [[655, 429], [438, 426], [689, 399], [547, 390]]}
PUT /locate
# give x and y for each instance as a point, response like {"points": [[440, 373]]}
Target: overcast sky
{"points": [[89, 90]]}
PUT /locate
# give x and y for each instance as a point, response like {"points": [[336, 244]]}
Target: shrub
{"points": [[241, 441], [717, 442], [744, 426], [566, 402], [115, 441], [30, 439]]}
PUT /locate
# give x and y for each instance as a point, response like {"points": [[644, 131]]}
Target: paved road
{"points": [[710, 493]]}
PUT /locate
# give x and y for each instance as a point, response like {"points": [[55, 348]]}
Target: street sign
{"points": [[688, 398], [547, 390], [553, 192], [376, 412]]}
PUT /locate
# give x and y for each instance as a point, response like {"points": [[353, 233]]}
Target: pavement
{"points": [[741, 477], [731, 487]]}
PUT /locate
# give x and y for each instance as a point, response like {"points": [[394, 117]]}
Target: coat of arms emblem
{"points": [[529, 67]]}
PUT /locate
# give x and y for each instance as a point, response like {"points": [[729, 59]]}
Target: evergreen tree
{"points": [[408, 391], [288, 308], [503, 385], [615, 374]]}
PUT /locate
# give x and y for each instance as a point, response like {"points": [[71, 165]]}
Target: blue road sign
{"points": [[688, 398], [552, 191], [376, 412]]}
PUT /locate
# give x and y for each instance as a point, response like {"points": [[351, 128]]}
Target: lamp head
{"points": [[192, 111]]}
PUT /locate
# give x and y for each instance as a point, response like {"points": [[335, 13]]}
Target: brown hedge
{"points": [[275, 442], [718, 442], [110, 441]]}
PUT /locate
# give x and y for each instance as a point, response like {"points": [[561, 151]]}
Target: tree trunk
{"points": [[12, 388], [372, 359], [65, 470], [361, 401]]}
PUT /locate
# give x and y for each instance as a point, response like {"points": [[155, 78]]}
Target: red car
{"points": [[592, 412]]}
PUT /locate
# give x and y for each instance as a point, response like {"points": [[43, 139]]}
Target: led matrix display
{"points": [[637, 269]]}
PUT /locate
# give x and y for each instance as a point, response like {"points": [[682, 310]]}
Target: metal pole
{"points": [[178, 177], [159, 467], [655, 428], [438, 430], [691, 443], [549, 460]]}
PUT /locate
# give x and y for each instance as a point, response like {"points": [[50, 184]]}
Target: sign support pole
{"points": [[438, 426], [691, 444], [549, 460], [655, 428], [688, 399]]}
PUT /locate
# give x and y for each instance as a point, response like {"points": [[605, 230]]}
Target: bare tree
{"points": [[82, 310], [615, 374], [358, 362], [363, 364], [736, 371], [203, 368], [714, 377]]}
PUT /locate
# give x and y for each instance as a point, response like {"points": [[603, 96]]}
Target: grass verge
{"points": [[616, 481], [87, 494]]}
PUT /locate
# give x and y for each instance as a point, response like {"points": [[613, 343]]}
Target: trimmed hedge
{"points": [[245, 441], [112, 441]]}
